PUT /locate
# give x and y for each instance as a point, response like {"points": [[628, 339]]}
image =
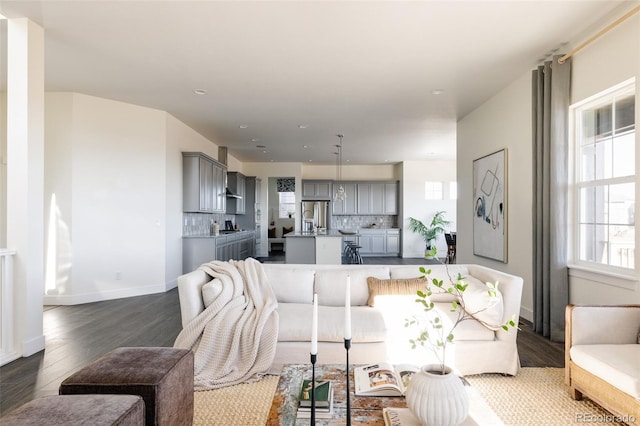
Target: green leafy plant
{"points": [[433, 331], [430, 232]]}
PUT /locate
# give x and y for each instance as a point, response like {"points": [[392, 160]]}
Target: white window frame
{"points": [[615, 275], [285, 207]]}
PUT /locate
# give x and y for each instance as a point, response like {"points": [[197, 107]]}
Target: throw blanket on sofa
{"points": [[234, 338]]}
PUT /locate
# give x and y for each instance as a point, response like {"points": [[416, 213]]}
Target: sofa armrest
{"points": [[190, 294], [510, 286]]}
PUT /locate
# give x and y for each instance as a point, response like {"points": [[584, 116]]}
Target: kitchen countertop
{"points": [[330, 233], [218, 236], [333, 233]]}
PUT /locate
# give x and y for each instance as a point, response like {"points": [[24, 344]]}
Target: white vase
{"points": [[437, 399]]}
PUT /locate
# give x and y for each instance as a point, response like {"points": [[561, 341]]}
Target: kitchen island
{"points": [[199, 249], [311, 248]]}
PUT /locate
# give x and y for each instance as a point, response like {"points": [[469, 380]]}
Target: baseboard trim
{"points": [[77, 299], [526, 313], [32, 346]]}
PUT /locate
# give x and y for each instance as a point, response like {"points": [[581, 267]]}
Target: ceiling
{"points": [[282, 78]]}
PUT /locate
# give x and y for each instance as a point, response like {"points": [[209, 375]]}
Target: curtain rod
{"points": [[600, 34]]}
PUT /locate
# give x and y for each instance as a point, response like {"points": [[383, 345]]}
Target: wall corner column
{"points": [[25, 178]]}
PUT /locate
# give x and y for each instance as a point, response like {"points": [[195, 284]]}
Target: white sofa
{"points": [[378, 333], [602, 357]]}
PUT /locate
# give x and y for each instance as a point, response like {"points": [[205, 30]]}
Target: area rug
{"points": [[536, 396]]}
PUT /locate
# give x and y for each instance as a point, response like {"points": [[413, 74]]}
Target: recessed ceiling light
{"points": [[264, 152], [254, 139], [200, 92], [243, 126], [305, 146], [437, 92], [302, 126]]}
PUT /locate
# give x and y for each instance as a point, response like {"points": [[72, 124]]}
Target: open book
{"points": [[383, 379]]}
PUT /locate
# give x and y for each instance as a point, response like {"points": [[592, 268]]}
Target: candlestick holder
{"points": [[347, 346], [313, 388]]}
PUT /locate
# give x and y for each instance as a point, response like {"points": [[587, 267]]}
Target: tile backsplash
{"points": [[355, 222], [200, 223]]}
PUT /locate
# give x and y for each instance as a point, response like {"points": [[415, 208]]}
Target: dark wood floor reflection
{"points": [[76, 335]]}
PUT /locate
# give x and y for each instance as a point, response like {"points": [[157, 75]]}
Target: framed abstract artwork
{"points": [[490, 206]]}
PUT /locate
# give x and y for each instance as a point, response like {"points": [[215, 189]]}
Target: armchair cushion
{"points": [[619, 364]]}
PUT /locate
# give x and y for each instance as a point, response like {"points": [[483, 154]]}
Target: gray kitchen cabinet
{"points": [[364, 198], [348, 206], [393, 242], [200, 181], [236, 182], [196, 251], [316, 190], [250, 220], [372, 242], [220, 185], [390, 198], [377, 198]]}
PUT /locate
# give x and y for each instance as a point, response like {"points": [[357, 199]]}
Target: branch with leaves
{"points": [[432, 330]]}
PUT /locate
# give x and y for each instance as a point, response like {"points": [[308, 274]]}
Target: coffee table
{"points": [[365, 410]]}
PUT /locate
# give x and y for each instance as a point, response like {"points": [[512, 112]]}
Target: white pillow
{"points": [[489, 309], [331, 284], [210, 291]]}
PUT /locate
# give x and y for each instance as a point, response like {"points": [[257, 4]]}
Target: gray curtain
{"points": [[551, 96]]}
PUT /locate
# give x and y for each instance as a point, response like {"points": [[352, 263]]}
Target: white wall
{"points": [[352, 172], [414, 204], [505, 122], [502, 122], [610, 60], [116, 171]]}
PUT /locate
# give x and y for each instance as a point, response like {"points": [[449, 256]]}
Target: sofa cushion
{"points": [[616, 364], [408, 286], [291, 285], [478, 301], [210, 291], [331, 284], [367, 324], [439, 272]]}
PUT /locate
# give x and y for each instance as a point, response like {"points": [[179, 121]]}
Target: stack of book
{"points": [[323, 397]]}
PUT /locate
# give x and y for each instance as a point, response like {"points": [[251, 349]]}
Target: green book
{"points": [[323, 393]]}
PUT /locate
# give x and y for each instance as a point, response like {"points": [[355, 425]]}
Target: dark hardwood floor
{"points": [[76, 335]]}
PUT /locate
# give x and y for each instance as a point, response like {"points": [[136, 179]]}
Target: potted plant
{"points": [[430, 233], [447, 399]]}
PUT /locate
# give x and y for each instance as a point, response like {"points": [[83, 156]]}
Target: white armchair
{"points": [[602, 357]]}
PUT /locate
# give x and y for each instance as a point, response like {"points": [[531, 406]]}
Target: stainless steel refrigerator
{"points": [[315, 216]]}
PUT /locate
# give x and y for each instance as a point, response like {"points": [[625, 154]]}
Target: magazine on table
{"points": [[383, 379]]}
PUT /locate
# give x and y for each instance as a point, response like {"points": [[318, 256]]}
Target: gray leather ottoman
{"points": [[79, 410], [163, 377]]}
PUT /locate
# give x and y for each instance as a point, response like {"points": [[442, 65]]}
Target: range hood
{"points": [[231, 194]]}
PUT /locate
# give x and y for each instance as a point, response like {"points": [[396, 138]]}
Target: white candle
{"points": [[314, 326], [347, 310]]}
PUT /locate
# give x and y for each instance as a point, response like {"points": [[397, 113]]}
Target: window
{"points": [[287, 202], [453, 190], [433, 190], [604, 190]]}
